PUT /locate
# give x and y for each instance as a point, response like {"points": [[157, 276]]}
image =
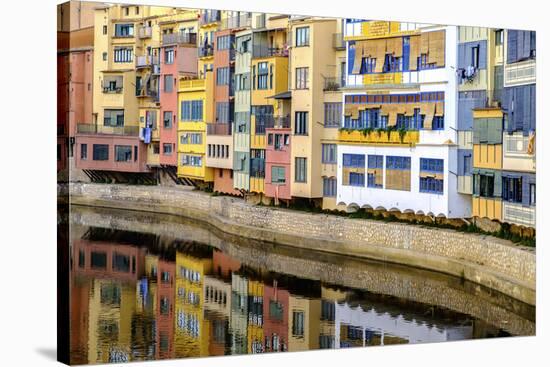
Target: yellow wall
{"points": [[312, 315], [487, 208], [487, 156]]}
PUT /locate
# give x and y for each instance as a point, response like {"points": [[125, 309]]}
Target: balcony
{"points": [[147, 93], [260, 21], [209, 17], [179, 39], [145, 61], [241, 21], [259, 51], [207, 51], [278, 122], [333, 84], [523, 72], [519, 214], [218, 129], [338, 41], [192, 84], [378, 137], [144, 32], [92, 129]]}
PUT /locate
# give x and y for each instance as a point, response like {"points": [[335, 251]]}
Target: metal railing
{"points": [[219, 129], [210, 16], [265, 51], [240, 21], [278, 122], [206, 51], [179, 38], [338, 41], [333, 83], [107, 130], [145, 32], [147, 60]]}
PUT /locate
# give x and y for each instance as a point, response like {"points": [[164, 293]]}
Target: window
{"points": [[375, 171], [300, 123], [167, 148], [392, 64], [532, 194], [328, 153], [329, 187], [168, 83], [167, 118], [467, 164], [511, 189], [81, 259], [333, 114], [100, 152], [151, 119], [499, 37], [191, 110], [124, 30], [135, 153], [302, 78], [123, 153], [262, 75], [368, 65], [121, 263], [300, 174], [126, 11], [98, 260], [269, 139], [278, 142], [486, 185], [164, 306], [156, 148], [137, 10], [222, 76], [353, 172], [398, 173], [438, 123], [104, 29], [104, 55], [124, 54], [191, 138], [169, 56], [422, 62], [475, 57], [431, 175], [297, 323], [302, 36], [277, 175], [191, 160], [223, 42], [83, 151]]}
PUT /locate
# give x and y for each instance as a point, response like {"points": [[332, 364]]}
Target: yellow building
{"points": [[269, 77], [303, 323], [312, 57], [195, 108], [192, 329], [255, 330]]}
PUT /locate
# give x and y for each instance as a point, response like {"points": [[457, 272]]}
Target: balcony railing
{"points": [[218, 129], [144, 61], [145, 32], [179, 38], [338, 41], [278, 122], [260, 21], [206, 51], [265, 51], [240, 21], [107, 130], [208, 17], [333, 84]]}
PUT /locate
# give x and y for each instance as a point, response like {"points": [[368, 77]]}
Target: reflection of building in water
{"points": [[112, 271], [161, 274], [365, 324], [191, 328], [239, 314], [304, 314], [217, 309], [275, 318], [255, 316], [329, 298], [79, 319]]}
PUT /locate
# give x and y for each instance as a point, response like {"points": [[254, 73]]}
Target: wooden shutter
{"points": [[436, 48], [414, 46]]}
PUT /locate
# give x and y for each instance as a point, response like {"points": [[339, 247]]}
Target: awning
{"points": [[283, 95]]}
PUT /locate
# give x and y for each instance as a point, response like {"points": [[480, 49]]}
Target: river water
{"points": [[146, 286]]}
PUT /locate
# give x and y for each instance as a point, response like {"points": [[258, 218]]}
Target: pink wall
{"points": [[279, 158], [165, 322], [224, 183], [138, 165], [272, 325], [221, 59], [169, 102]]}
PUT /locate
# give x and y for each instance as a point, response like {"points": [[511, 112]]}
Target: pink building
{"points": [[277, 159], [165, 309], [275, 318], [178, 58]]}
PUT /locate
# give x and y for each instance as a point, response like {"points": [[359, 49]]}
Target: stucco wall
{"points": [[489, 261]]}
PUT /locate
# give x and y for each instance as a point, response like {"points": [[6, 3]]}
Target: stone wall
{"points": [[495, 263]]}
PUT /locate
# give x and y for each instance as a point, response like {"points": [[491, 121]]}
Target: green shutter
{"points": [[483, 130], [494, 131], [477, 131], [476, 184]]}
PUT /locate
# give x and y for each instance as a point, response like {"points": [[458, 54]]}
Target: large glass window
{"points": [[302, 36], [328, 153], [300, 123], [302, 78], [511, 189], [100, 152], [278, 175], [123, 153], [329, 186], [301, 170], [375, 171], [113, 118]]}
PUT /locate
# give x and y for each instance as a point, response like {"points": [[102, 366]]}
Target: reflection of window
{"points": [[275, 310], [110, 294], [81, 258], [298, 323]]}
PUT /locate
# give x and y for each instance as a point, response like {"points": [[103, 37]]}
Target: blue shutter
{"points": [[498, 184], [525, 194], [526, 50], [461, 54], [483, 55], [533, 107], [351, 58], [512, 46], [519, 45]]}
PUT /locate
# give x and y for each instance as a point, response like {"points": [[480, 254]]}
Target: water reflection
{"points": [[142, 297]]}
